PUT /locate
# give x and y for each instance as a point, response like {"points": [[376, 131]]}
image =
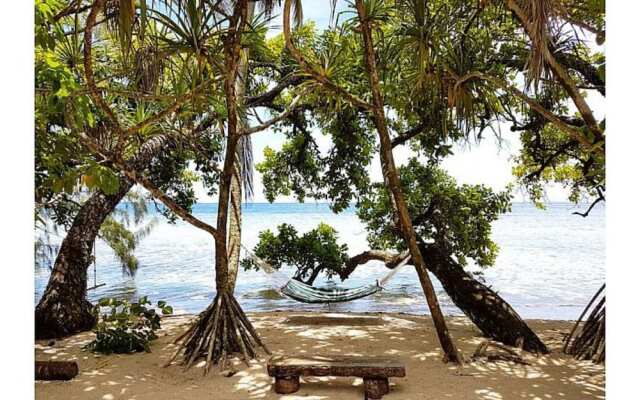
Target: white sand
{"points": [[409, 338]]}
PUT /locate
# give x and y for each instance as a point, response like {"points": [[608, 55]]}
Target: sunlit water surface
{"points": [[550, 263]]}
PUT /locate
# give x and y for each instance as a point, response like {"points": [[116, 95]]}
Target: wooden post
{"points": [[287, 384], [375, 388]]}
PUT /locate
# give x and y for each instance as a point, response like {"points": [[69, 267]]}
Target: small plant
{"points": [[126, 327]]}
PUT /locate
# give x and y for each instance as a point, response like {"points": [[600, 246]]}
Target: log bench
{"points": [[375, 371]]}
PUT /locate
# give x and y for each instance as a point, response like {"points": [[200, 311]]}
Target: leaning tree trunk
{"points": [[222, 329], [393, 182], [486, 309], [64, 309]]}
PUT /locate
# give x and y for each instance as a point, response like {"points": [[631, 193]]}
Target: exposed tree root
{"points": [[220, 331], [587, 341], [491, 352]]}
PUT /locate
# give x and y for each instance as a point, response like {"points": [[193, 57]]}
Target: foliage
{"points": [[46, 31], [117, 232], [313, 252], [457, 218], [421, 47], [339, 176], [547, 156], [126, 327]]}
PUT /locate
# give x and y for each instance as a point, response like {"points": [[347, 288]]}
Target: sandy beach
{"points": [[410, 338]]}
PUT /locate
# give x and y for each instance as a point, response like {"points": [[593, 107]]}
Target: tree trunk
{"points": [[63, 309], [486, 309], [223, 329], [235, 228], [235, 219], [393, 181]]}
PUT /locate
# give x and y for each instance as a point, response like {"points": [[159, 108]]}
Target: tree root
{"points": [[587, 341], [218, 333]]}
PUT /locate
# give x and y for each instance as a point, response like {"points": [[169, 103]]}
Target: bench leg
{"points": [[375, 388], [287, 384]]}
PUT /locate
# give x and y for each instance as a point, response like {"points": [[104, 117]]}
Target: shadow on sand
{"points": [[409, 338]]}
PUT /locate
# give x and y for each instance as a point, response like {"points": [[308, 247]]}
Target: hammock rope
{"points": [[302, 292]]}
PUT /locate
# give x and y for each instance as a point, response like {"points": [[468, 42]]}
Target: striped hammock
{"points": [[308, 294]]}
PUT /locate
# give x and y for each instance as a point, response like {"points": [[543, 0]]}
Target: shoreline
{"points": [[410, 338], [369, 313]]}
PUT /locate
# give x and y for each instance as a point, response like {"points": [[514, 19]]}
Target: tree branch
{"points": [[147, 184], [390, 259], [407, 135], [557, 121], [589, 73], [310, 69], [560, 73], [596, 201], [283, 115], [266, 98]]}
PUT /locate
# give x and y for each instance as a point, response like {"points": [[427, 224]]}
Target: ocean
{"points": [[550, 263]]}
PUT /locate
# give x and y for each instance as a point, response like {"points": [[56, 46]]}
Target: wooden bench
{"points": [[375, 371]]}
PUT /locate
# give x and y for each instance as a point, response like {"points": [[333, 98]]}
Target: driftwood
{"points": [[492, 351], [375, 371], [56, 370]]}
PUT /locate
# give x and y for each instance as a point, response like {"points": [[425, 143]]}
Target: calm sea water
{"points": [[550, 263]]}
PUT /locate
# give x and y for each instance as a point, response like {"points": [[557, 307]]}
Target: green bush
{"points": [[126, 327]]}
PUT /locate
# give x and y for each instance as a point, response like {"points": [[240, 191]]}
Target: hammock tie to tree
{"points": [[304, 293]]}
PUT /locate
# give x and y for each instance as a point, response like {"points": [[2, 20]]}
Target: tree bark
{"points": [[393, 181], [484, 307], [55, 370], [64, 309], [235, 219], [235, 228], [232, 51]]}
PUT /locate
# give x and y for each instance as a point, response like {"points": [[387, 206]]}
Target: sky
{"points": [[488, 162]]}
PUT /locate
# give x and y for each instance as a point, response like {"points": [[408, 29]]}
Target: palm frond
{"points": [[541, 19], [126, 10]]}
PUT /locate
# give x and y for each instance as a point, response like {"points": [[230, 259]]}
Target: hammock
{"points": [[308, 294]]}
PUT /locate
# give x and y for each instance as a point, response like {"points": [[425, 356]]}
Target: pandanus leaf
{"points": [[126, 17]]}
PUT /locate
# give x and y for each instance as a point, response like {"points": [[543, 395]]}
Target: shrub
{"points": [[126, 327]]}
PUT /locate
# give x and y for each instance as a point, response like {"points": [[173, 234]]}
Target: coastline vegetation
{"points": [[160, 94]]}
